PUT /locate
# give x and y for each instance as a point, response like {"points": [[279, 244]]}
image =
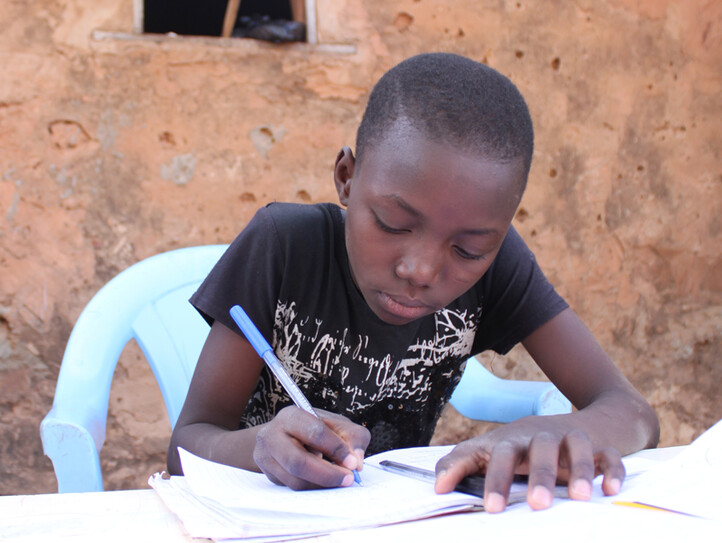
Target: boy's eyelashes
{"points": [[463, 253], [467, 255], [386, 228]]}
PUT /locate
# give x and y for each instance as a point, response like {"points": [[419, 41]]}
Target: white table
{"points": [[139, 516], [122, 515]]}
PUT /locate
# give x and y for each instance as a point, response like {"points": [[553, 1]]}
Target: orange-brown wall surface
{"points": [[115, 147]]}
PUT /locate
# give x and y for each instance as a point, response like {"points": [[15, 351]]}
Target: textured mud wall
{"points": [[112, 150]]}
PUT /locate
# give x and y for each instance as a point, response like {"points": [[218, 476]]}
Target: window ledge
{"points": [[103, 40]]}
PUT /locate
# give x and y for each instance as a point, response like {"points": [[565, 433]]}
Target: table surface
{"points": [[123, 515]]}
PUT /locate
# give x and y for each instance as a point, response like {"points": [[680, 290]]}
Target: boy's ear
{"points": [[343, 173]]}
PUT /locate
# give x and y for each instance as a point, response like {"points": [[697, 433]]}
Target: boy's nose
{"points": [[421, 268]]}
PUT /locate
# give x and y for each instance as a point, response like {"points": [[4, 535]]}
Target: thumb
{"points": [[452, 468]]}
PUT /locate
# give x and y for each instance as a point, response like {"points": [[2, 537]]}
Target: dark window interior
{"points": [[204, 18]]}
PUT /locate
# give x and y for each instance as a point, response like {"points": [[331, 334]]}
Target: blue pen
{"points": [[264, 350]]}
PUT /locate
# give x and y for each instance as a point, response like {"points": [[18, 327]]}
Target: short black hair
{"points": [[451, 99]]}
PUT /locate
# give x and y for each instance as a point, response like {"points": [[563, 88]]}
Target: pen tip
{"points": [[357, 478]]}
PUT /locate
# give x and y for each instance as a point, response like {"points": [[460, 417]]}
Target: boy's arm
{"points": [[613, 420], [225, 377]]}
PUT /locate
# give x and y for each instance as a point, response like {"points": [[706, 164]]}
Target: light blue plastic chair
{"points": [[148, 302], [481, 395]]}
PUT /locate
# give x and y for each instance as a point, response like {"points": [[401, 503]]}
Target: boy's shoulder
{"points": [[283, 224], [285, 214], [302, 224]]}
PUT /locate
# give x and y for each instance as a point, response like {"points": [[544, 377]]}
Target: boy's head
{"points": [[443, 155], [455, 100]]}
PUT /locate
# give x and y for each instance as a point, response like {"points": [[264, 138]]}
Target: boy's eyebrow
{"points": [[482, 231], [403, 204]]}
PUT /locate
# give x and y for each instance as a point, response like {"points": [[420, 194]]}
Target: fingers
{"points": [[580, 459], [504, 460], [550, 459], [609, 463], [547, 457], [287, 451], [355, 436], [576, 462], [544, 452], [280, 475]]}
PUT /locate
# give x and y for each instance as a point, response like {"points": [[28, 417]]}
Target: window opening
{"points": [[278, 21]]}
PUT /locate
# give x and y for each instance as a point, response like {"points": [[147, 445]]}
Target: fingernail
{"points": [[347, 480], [350, 462], [581, 490], [614, 486], [540, 497], [439, 488], [494, 503], [360, 453]]}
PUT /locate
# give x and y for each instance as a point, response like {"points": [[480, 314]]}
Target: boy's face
{"points": [[424, 221]]}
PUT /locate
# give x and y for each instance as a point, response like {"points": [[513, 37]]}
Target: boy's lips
{"points": [[405, 307]]}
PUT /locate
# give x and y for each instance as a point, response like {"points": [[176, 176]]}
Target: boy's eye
{"points": [[467, 255], [386, 228]]}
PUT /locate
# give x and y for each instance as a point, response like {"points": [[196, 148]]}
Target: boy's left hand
{"points": [[535, 446]]}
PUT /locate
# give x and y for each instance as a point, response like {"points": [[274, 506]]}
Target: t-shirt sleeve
{"points": [[516, 298], [248, 274]]}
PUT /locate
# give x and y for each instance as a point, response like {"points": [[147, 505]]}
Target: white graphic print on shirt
{"points": [[342, 364]]}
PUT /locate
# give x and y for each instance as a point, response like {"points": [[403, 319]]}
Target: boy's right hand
{"points": [[303, 452]]}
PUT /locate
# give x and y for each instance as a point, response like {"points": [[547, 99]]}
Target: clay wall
{"points": [[115, 148]]}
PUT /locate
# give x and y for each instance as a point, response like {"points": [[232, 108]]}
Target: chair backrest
{"points": [[147, 302]]}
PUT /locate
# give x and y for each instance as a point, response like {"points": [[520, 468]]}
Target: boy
{"points": [[373, 310]]}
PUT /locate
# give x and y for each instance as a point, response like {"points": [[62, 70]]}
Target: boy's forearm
{"points": [[616, 419], [611, 411], [230, 447]]}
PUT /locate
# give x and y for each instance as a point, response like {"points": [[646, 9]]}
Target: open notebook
{"points": [[218, 501]]}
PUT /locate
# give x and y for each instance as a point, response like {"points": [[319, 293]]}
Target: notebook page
{"points": [[690, 482], [382, 497]]}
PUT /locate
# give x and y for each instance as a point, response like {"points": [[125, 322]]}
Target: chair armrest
{"points": [[74, 430], [480, 395], [74, 455]]}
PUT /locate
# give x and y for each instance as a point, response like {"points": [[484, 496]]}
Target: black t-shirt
{"points": [[289, 271]]}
